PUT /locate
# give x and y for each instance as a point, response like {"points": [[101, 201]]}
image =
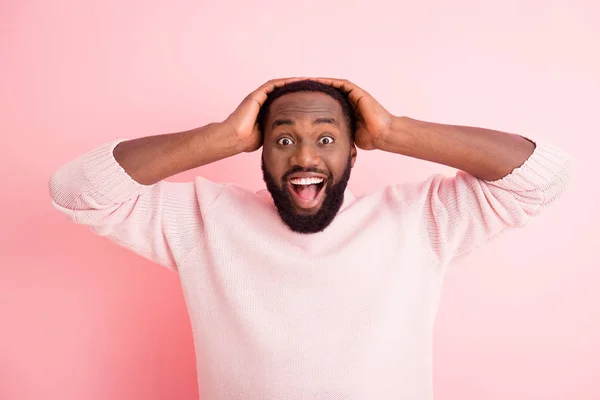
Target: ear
{"points": [[353, 154]]}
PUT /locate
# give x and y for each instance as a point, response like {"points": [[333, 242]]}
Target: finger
{"points": [[342, 84], [260, 94], [271, 85], [351, 90], [326, 81]]}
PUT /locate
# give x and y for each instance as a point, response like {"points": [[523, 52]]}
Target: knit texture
{"points": [[344, 314]]}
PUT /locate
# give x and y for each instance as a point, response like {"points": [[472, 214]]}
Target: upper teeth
{"points": [[306, 181]]}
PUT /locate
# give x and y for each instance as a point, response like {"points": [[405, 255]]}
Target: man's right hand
{"points": [[243, 121], [151, 159]]}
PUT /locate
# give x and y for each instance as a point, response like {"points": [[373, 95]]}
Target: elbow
{"points": [[56, 189], [559, 185], [63, 188]]}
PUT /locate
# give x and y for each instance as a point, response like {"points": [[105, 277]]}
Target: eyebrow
{"points": [[279, 122]]}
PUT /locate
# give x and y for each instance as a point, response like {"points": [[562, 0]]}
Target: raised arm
{"points": [[484, 153], [151, 159], [118, 189], [504, 178]]}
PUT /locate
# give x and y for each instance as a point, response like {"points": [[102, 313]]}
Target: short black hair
{"points": [[309, 86]]}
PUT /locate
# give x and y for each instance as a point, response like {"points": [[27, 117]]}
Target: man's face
{"points": [[306, 160]]}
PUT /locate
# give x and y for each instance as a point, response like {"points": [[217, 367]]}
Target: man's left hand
{"points": [[373, 121]]}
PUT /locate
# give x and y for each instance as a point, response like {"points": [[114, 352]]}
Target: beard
{"points": [[332, 202]]}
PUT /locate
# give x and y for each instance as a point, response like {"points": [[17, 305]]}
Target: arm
{"points": [[151, 159], [119, 190], [483, 153], [504, 179]]}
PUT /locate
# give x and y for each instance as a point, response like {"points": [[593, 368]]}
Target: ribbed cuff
{"points": [[547, 166], [105, 176]]}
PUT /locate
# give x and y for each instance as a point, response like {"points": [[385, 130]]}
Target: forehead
{"points": [[299, 104]]}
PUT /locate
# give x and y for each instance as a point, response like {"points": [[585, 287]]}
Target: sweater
{"points": [[344, 314]]}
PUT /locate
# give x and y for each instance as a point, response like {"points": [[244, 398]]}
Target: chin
{"points": [[313, 210], [304, 211]]}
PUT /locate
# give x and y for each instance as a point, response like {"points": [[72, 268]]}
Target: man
{"points": [[306, 291]]}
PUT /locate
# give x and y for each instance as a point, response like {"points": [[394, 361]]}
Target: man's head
{"points": [[308, 152]]}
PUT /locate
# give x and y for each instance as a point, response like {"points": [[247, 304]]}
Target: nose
{"points": [[305, 156]]}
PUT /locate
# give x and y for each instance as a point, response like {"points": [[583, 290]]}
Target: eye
{"points": [[326, 140], [285, 141]]}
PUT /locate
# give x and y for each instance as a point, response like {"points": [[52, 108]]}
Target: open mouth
{"points": [[307, 192]]}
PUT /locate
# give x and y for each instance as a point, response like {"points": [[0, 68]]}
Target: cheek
{"points": [[274, 166], [337, 165]]}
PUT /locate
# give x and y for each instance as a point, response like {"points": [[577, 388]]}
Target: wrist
{"points": [[396, 134], [229, 135], [216, 141], [243, 143]]}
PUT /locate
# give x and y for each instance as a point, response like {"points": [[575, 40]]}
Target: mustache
{"points": [[309, 170]]}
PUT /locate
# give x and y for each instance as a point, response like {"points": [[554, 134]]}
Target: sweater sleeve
{"points": [[460, 213], [161, 222]]}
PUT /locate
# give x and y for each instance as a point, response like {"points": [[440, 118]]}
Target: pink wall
{"points": [[83, 319]]}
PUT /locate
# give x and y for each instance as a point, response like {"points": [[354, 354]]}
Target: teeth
{"points": [[306, 181]]}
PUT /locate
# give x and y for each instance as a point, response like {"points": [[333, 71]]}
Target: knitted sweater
{"points": [[347, 313]]}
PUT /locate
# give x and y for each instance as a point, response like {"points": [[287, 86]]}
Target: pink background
{"points": [[81, 318]]}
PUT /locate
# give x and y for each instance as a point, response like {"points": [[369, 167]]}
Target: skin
{"points": [[306, 131], [151, 159], [484, 153]]}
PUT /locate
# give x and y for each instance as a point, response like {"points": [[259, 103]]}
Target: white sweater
{"points": [[344, 314]]}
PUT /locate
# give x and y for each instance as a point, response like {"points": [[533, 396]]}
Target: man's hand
{"points": [[373, 121], [487, 154], [243, 121]]}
